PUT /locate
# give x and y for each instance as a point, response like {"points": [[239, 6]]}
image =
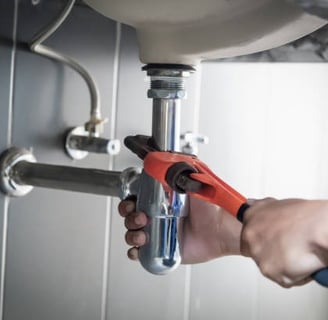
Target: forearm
{"points": [[231, 233]]}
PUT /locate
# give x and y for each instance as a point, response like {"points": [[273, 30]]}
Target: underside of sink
{"points": [[189, 31]]}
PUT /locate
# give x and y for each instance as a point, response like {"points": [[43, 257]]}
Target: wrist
{"points": [[231, 235], [319, 229]]}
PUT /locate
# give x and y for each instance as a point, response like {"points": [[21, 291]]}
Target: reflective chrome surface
{"points": [[165, 210], [20, 172], [8, 160], [161, 254]]}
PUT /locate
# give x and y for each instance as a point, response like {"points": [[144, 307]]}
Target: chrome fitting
{"points": [[167, 81], [191, 141], [165, 209], [130, 179], [166, 94], [20, 172], [8, 160], [79, 143]]}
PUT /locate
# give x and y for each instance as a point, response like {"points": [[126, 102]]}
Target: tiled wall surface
{"points": [[63, 254]]}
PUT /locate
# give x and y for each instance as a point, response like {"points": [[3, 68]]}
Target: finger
{"points": [[126, 207], [135, 221], [135, 238], [133, 253]]}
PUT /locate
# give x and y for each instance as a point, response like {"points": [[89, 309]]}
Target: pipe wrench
{"points": [[185, 173]]}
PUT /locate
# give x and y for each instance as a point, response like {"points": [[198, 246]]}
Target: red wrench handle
{"points": [[216, 191], [213, 189]]}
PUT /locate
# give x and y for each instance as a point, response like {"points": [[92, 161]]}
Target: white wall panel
{"points": [[55, 248], [266, 124]]}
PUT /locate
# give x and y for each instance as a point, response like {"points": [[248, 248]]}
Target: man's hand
{"points": [[208, 232], [288, 239]]}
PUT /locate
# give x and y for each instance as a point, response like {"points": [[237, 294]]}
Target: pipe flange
{"points": [[168, 70], [8, 160], [76, 154], [166, 94]]}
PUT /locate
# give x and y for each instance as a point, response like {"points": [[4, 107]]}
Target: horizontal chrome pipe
{"points": [[20, 173], [92, 181]]}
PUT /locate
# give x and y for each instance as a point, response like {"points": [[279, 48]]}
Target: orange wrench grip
{"points": [[218, 192], [214, 189]]}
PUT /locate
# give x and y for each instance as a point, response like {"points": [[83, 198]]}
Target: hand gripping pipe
{"points": [[161, 254], [165, 210]]}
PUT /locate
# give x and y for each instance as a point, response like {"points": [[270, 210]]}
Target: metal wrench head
{"points": [[141, 145]]}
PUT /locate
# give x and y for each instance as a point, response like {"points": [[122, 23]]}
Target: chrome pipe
{"points": [[93, 144], [92, 181], [166, 123], [20, 173], [165, 210]]}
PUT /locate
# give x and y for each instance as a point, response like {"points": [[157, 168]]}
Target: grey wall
{"points": [[63, 254]]}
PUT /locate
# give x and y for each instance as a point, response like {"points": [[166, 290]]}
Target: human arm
{"points": [[288, 239]]}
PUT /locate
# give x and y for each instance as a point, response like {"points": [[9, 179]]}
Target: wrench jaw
{"points": [[178, 178], [141, 145], [170, 173]]}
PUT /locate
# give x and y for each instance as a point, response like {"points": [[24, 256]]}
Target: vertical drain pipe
{"points": [[165, 210]]}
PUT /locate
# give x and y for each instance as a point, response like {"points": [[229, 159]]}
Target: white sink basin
{"points": [[188, 31]]}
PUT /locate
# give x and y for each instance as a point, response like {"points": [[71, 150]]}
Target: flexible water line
{"points": [[37, 47]]}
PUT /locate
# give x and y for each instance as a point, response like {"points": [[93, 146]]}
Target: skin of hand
{"points": [[208, 232], [288, 239]]}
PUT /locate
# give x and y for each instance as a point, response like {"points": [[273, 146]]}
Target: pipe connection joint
{"points": [[167, 81]]}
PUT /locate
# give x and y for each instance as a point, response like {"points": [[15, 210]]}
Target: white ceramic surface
{"points": [[188, 31]]}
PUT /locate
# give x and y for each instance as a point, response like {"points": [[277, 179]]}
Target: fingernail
{"points": [[129, 208], [136, 239], [138, 220]]}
